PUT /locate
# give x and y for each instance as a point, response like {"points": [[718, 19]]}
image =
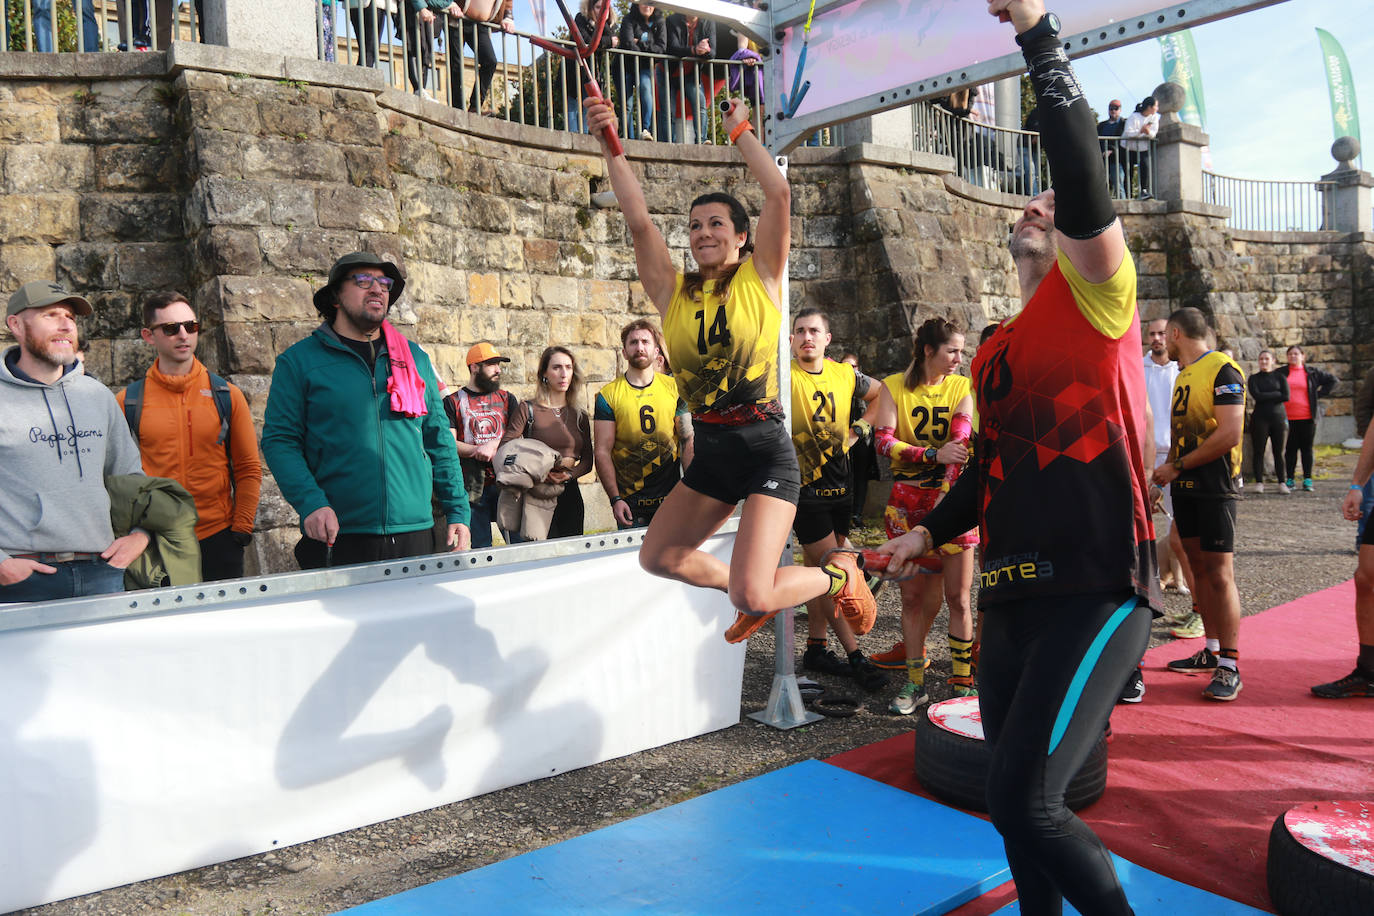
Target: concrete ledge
{"points": [[956, 185], [1195, 208], [875, 154], [186, 55], [1294, 238], [33, 65]]}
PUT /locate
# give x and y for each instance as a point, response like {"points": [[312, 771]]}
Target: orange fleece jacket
{"points": [[177, 432]]}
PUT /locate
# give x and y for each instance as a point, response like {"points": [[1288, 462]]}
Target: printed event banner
{"points": [[1178, 62], [143, 746], [1345, 112]]}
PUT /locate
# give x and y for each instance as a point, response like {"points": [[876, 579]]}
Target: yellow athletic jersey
{"points": [[645, 453], [923, 418], [724, 355], [820, 425], [1211, 380]]}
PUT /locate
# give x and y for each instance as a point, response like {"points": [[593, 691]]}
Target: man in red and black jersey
{"points": [[1066, 595], [1206, 422]]}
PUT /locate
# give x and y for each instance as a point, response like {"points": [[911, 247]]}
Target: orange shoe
{"points": [[853, 600], [894, 659], [747, 625]]}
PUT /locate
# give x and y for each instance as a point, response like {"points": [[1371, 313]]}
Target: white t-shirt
{"points": [[1159, 389]]}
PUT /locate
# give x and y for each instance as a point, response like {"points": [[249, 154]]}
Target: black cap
{"points": [[324, 296]]}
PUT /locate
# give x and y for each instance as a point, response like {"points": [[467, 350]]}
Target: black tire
{"points": [[1303, 883], [954, 768]]}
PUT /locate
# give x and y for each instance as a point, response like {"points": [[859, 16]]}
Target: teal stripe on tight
{"points": [[1085, 668]]}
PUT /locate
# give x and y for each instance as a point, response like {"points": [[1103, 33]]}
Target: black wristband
{"points": [[618, 499]]}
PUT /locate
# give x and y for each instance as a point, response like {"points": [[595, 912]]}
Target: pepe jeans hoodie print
{"points": [[58, 442]]}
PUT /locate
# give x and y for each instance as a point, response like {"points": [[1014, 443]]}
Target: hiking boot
{"points": [[747, 625], [1191, 627], [866, 674], [1134, 691], [854, 601], [1205, 660], [908, 699], [1355, 684], [823, 661], [961, 686], [1307, 484], [1286, 488], [1225, 685]]}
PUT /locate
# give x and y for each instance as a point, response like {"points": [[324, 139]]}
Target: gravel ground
{"points": [[1288, 546]]}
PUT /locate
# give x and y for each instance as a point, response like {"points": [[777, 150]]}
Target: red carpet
{"points": [[1194, 786]]}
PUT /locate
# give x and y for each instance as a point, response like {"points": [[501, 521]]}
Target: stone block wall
{"points": [[238, 182]]}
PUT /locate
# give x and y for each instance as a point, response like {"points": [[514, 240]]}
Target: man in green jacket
{"points": [[356, 459]]}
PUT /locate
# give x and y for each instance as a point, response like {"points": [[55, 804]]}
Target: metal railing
{"points": [[1013, 161], [1271, 206], [100, 25]]}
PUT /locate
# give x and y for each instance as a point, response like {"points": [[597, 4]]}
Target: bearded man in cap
{"points": [[479, 413], [355, 432], [61, 435]]}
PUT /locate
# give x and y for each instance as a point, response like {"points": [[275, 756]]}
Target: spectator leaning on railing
{"points": [[1111, 128], [585, 21], [1140, 129], [692, 39], [643, 29]]}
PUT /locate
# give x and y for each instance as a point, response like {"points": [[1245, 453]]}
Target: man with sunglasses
{"points": [[355, 432], [1110, 130], [177, 413]]}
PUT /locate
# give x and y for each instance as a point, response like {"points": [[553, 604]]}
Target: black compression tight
{"points": [[1051, 670]]}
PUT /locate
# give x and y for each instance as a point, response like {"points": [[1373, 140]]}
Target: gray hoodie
{"points": [[57, 444]]}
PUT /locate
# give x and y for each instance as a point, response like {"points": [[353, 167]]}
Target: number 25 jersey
{"points": [[923, 418]]}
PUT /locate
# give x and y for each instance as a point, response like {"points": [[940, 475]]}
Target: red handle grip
{"points": [[612, 141]]}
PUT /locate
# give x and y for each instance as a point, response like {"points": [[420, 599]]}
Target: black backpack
{"points": [[219, 389]]}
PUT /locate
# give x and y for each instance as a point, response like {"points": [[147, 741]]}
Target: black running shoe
{"points": [[823, 661], [1134, 691], [1225, 685], [867, 675], [1202, 662], [1355, 684]]}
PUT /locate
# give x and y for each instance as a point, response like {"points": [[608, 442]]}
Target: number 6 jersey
{"points": [[645, 453], [923, 418]]}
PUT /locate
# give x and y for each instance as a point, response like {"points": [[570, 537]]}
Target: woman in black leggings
{"points": [[1306, 385], [1268, 423]]}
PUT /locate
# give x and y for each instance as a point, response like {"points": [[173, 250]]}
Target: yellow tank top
{"points": [[724, 355], [923, 418], [820, 423]]}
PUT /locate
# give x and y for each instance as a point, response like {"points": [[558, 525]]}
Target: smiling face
{"points": [[46, 335], [712, 236], [1032, 236], [810, 337], [178, 348], [559, 375], [946, 358]]}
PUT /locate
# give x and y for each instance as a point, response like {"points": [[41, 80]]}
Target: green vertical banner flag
{"points": [[1345, 113], [1178, 61]]}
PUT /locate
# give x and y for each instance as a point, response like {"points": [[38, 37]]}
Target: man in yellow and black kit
{"points": [[1207, 416], [822, 393], [643, 431]]}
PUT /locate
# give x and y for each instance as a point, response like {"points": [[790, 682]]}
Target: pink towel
{"points": [[405, 386]]}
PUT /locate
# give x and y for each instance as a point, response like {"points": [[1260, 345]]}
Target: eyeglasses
{"points": [[365, 281], [170, 328]]}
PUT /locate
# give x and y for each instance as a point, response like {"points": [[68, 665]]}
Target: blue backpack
{"points": [[224, 405]]}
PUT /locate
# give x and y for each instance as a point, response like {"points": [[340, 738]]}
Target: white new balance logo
{"points": [[770, 484]]}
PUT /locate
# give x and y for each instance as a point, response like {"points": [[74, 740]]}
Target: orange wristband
{"points": [[739, 130]]}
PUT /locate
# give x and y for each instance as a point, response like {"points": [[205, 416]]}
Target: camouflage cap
{"points": [[39, 293]]}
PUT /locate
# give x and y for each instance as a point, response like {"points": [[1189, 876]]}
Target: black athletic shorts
{"points": [[1368, 538], [1212, 521], [732, 462], [817, 518]]}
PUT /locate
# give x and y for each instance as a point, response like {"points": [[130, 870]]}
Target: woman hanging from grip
{"points": [[722, 326]]}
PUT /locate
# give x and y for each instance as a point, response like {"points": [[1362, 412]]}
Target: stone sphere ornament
{"points": [[1344, 151], [1171, 97]]}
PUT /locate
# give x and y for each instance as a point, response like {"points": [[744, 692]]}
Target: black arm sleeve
{"points": [[957, 512], [1082, 207]]}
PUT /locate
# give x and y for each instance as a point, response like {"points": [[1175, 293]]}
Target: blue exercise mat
{"points": [[810, 838], [1152, 894]]}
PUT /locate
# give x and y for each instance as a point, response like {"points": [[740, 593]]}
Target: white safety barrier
{"points": [[154, 732]]}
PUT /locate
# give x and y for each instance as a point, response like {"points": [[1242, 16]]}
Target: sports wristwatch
{"points": [[1178, 464], [1048, 25], [930, 455]]}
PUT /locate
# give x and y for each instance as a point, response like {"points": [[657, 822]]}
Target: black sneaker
{"points": [[1225, 685], [866, 674], [1205, 660], [823, 661], [1134, 691], [1355, 684]]}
